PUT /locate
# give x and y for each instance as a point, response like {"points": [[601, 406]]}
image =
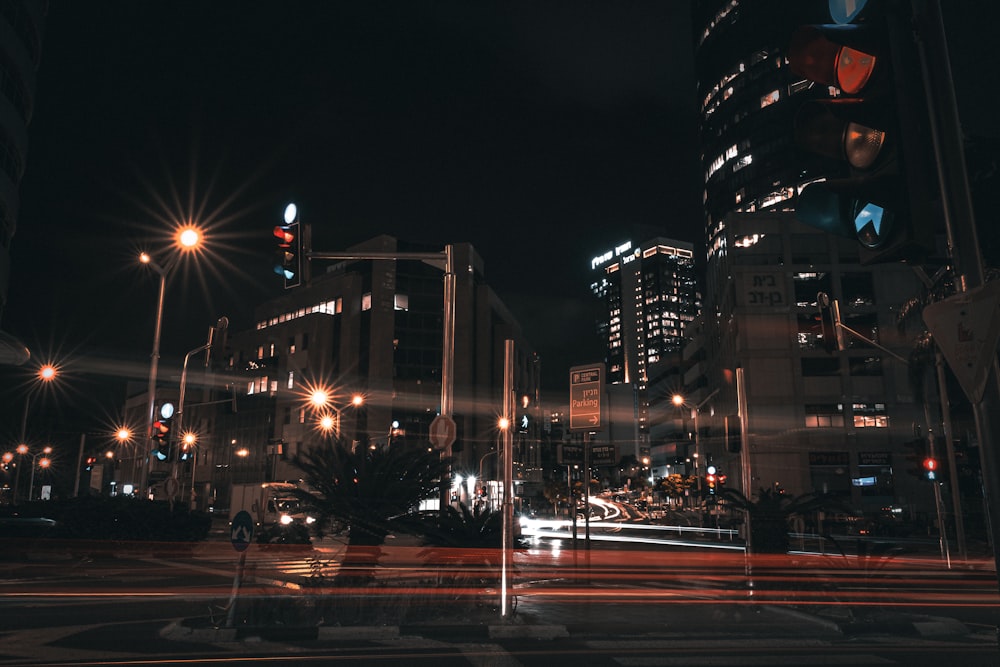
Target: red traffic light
{"points": [[284, 235], [161, 428], [930, 464], [838, 56]]}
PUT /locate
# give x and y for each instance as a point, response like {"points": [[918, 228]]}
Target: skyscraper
{"points": [[817, 417], [651, 294]]}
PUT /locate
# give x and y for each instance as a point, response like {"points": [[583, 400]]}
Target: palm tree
{"points": [[770, 512], [370, 490]]}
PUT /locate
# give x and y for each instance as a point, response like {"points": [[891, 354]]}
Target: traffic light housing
{"points": [[931, 468], [161, 438], [872, 134], [288, 260], [288, 256], [733, 437], [829, 318], [916, 454]]}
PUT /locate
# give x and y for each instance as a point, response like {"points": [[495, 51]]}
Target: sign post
{"points": [[442, 432], [586, 387]]}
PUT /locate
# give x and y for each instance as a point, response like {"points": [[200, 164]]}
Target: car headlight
{"points": [[286, 519], [310, 519]]}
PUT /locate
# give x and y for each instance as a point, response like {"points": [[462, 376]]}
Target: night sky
{"points": [[543, 133]]}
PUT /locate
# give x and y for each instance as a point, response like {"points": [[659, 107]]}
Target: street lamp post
{"points": [[44, 463], [154, 362], [188, 238], [679, 400]]}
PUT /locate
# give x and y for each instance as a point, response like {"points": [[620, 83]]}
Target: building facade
{"points": [[814, 420], [651, 296], [368, 328]]}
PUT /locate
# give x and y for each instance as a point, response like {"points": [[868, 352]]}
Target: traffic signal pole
{"points": [[448, 324], [960, 225]]}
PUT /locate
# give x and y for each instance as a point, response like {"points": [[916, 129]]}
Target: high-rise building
{"points": [[21, 24], [651, 294], [815, 420]]}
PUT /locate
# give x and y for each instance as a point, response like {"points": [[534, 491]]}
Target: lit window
{"points": [[291, 379], [366, 301], [770, 98], [402, 302], [824, 416]]}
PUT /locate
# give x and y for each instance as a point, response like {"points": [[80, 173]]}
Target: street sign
{"points": [[586, 386], [442, 432], [241, 530], [600, 455], [966, 327]]}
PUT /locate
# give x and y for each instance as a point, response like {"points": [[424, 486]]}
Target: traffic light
{"points": [[711, 479], [916, 454], [288, 255], [161, 438], [872, 134], [733, 437], [931, 470], [829, 318]]}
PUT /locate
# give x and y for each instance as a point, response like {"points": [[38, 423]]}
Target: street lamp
{"points": [[188, 238], [44, 463], [45, 374], [678, 400]]}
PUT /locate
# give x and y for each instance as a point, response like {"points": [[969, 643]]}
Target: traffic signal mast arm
{"points": [[835, 309]]}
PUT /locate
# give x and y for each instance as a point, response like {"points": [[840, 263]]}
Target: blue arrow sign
{"points": [[242, 530], [845, 11]]}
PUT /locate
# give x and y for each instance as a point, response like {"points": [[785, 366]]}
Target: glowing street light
{"points": [[44, 463], [328, 422], [188, 238], [679, 400], [319, 398]]}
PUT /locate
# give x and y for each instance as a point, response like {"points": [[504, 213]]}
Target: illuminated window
{"points": [[870, 415], [291, 379], [402, 302], [825, 416], [770, 98], [366, 301]]}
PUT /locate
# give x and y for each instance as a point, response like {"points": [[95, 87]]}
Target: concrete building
{"points": [[814, 420], [651, 296], [371, 328]]}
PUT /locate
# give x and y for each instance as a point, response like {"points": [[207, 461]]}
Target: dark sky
{"points": [[542, 132]]}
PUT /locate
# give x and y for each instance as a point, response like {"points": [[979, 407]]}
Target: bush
{"points": [[119, 518]]}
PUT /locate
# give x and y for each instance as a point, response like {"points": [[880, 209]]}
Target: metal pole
{"points": [[956, 498], [31, 483], [747, 478], [79, 465], [154, 361], [508, 478], [24, 417], [960, 221], [180, 412], [448, 359]]}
